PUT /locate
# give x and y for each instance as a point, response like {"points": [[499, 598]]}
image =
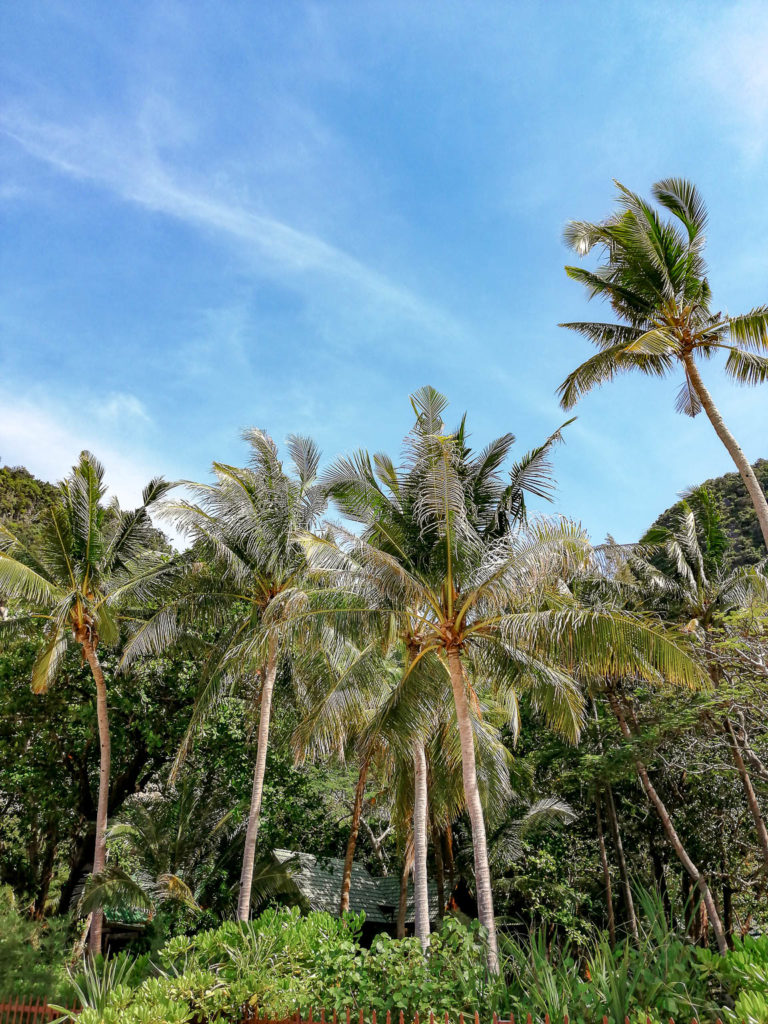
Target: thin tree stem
{"points": [[357, 810], [749, 792], [606, 871], [402, 907], [626, 886], [437, 846], [693, 872]]}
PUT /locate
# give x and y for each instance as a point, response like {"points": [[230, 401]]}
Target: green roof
{"points": [[318, 880]]}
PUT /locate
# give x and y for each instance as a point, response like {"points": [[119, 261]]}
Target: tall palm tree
{"points": [[654, 276], [87, 562], [251, 568], [485, 599]]}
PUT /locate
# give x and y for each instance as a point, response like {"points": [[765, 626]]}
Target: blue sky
{"points": [[290, 215]]}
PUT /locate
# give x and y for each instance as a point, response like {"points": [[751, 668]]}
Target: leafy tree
{"points": [[655, 279], [88, 561]]}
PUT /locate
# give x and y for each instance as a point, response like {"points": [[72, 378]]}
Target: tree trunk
{"points": [[402, 907], [695, 875], [626, 887], [105, 759], [357, 810], [749, 792], [420, 887], [437, 846], [474, 808], [742, 463], [254, 814], [606, 871]]}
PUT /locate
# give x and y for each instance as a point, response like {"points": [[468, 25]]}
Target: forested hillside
{"points": [[746, 544], [22, 496]]}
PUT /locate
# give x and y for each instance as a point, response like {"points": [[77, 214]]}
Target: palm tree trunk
{"points": [[693, 872], [254, 814], [102, 807], [749, 792], [606, 871], [420, 888], [742, 463], [357, 810], [626, 887], [474, 808]]}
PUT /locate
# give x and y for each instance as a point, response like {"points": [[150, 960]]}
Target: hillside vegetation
{"points": [[738, 515]]}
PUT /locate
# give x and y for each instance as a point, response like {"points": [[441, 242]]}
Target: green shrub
{"points": [[285, 962], [32, 953], [742, 975]]}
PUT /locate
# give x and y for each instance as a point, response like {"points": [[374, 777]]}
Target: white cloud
{"points": [[126, 162], [48, 440], [123, 408]]}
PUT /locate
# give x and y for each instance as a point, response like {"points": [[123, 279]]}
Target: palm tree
{"points": [[486, 600], [243, 528], [87, 561], [654, 277]]}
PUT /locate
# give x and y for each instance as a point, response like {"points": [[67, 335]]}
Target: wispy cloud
{"points": [[121, 407], [128, 165]]}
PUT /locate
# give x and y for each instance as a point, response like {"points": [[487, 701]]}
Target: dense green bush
{"points": [[32, 953], [285, 961], [743, 974]]}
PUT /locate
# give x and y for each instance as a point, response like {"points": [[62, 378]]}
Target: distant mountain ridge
{"points": [[739, 518]]}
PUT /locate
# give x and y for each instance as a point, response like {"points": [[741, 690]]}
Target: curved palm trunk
{"points": [[734, 449], [254, 814], [357, 810], [474, 808], [102, 807], [420, 885], [749, 792], [692, 871]]}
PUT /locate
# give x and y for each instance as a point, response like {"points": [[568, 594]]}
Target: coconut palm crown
{"points": [[654, 276]]}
